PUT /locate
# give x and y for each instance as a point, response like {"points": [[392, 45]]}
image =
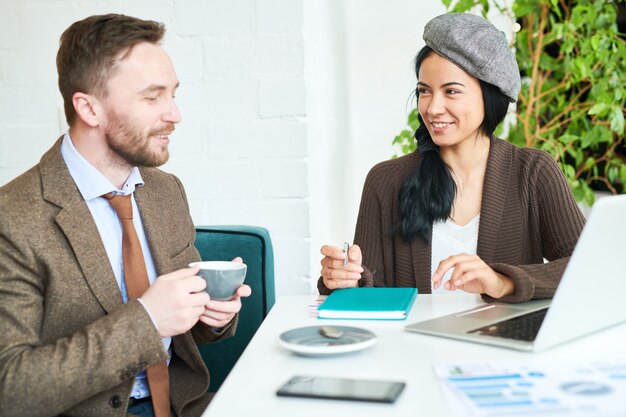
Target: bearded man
{"points": [[99, 312]]}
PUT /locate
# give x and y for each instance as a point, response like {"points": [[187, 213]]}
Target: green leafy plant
{"points": [[573, 98]]}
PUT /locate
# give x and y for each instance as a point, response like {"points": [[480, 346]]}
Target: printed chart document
{"points": [[368, 303], [596, 389]]}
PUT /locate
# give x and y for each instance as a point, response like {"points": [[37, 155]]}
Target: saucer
{"points": [[308, 341]]}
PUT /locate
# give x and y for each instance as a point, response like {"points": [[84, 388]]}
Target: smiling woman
{"points": [[466, 211], [450, 99], [457, 117]]}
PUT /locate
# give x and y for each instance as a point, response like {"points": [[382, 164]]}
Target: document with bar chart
{"points": [[482, 389]]}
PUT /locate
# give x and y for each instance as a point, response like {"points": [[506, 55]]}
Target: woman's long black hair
{"points": [[428, 192]]}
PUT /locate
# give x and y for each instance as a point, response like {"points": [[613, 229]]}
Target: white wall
{"points": [[286, 105]]}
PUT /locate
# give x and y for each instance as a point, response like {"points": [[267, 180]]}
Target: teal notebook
{"points": [[368, 303]]}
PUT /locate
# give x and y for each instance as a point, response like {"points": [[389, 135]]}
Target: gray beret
{"points": [[476, 46]]}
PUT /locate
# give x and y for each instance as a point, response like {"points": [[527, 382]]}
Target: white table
{"points": [[250, 388]]}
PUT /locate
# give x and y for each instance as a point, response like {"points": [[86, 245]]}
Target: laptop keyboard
{"points": [[523, 327]]}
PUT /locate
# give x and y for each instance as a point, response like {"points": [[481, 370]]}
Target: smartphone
{"points": [[342, 389]]}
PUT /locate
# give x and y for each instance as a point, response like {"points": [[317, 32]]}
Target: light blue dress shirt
{"points": [[92, 185]]}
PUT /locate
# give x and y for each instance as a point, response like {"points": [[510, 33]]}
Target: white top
{"points": [[450, 239]]}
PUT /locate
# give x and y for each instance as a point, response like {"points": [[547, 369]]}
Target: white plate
{"points": [[308, 341]]}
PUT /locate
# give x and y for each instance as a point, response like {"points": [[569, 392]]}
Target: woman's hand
{"points": [[334, 273], [473, 275]]}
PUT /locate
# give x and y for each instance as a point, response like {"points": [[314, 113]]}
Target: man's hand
{"points": [[176, 301], [217, 314]]}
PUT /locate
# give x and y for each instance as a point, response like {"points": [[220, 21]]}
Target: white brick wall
{"points": [[284, 179], [215, 17], [279, 98], [280, 16]]}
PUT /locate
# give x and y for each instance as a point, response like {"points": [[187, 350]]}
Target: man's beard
{"points": [[132, 145]]}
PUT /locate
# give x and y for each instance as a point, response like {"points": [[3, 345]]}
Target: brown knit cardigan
{"points": [[527, 214]]}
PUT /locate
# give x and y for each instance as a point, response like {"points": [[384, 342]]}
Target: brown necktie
{"points": [[136, 278]]}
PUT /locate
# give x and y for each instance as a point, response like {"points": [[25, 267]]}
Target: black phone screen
{"points": [[341, 389]]}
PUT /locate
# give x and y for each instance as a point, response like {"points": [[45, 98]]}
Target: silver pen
{"points": [[346, 248]]}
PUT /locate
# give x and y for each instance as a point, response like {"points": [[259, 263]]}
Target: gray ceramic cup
{"points": [[222, 277]]}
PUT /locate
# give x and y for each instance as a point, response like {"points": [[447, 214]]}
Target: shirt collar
{"points": [[90, 182]]}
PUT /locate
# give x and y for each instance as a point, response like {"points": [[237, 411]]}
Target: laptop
{"points": [[590, 295]]}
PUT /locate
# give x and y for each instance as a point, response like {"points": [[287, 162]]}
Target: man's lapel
{"points": [[150, 202], [495, 188], [77, 224]]}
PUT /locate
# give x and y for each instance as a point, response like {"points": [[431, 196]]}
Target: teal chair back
{"points": [[253, 244]]}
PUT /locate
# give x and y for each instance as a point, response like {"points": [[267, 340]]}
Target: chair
{"points": [[254, 245]]}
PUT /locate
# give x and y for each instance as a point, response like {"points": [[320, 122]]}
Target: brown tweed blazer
{"points": [[527, 214], [68, 344]]}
